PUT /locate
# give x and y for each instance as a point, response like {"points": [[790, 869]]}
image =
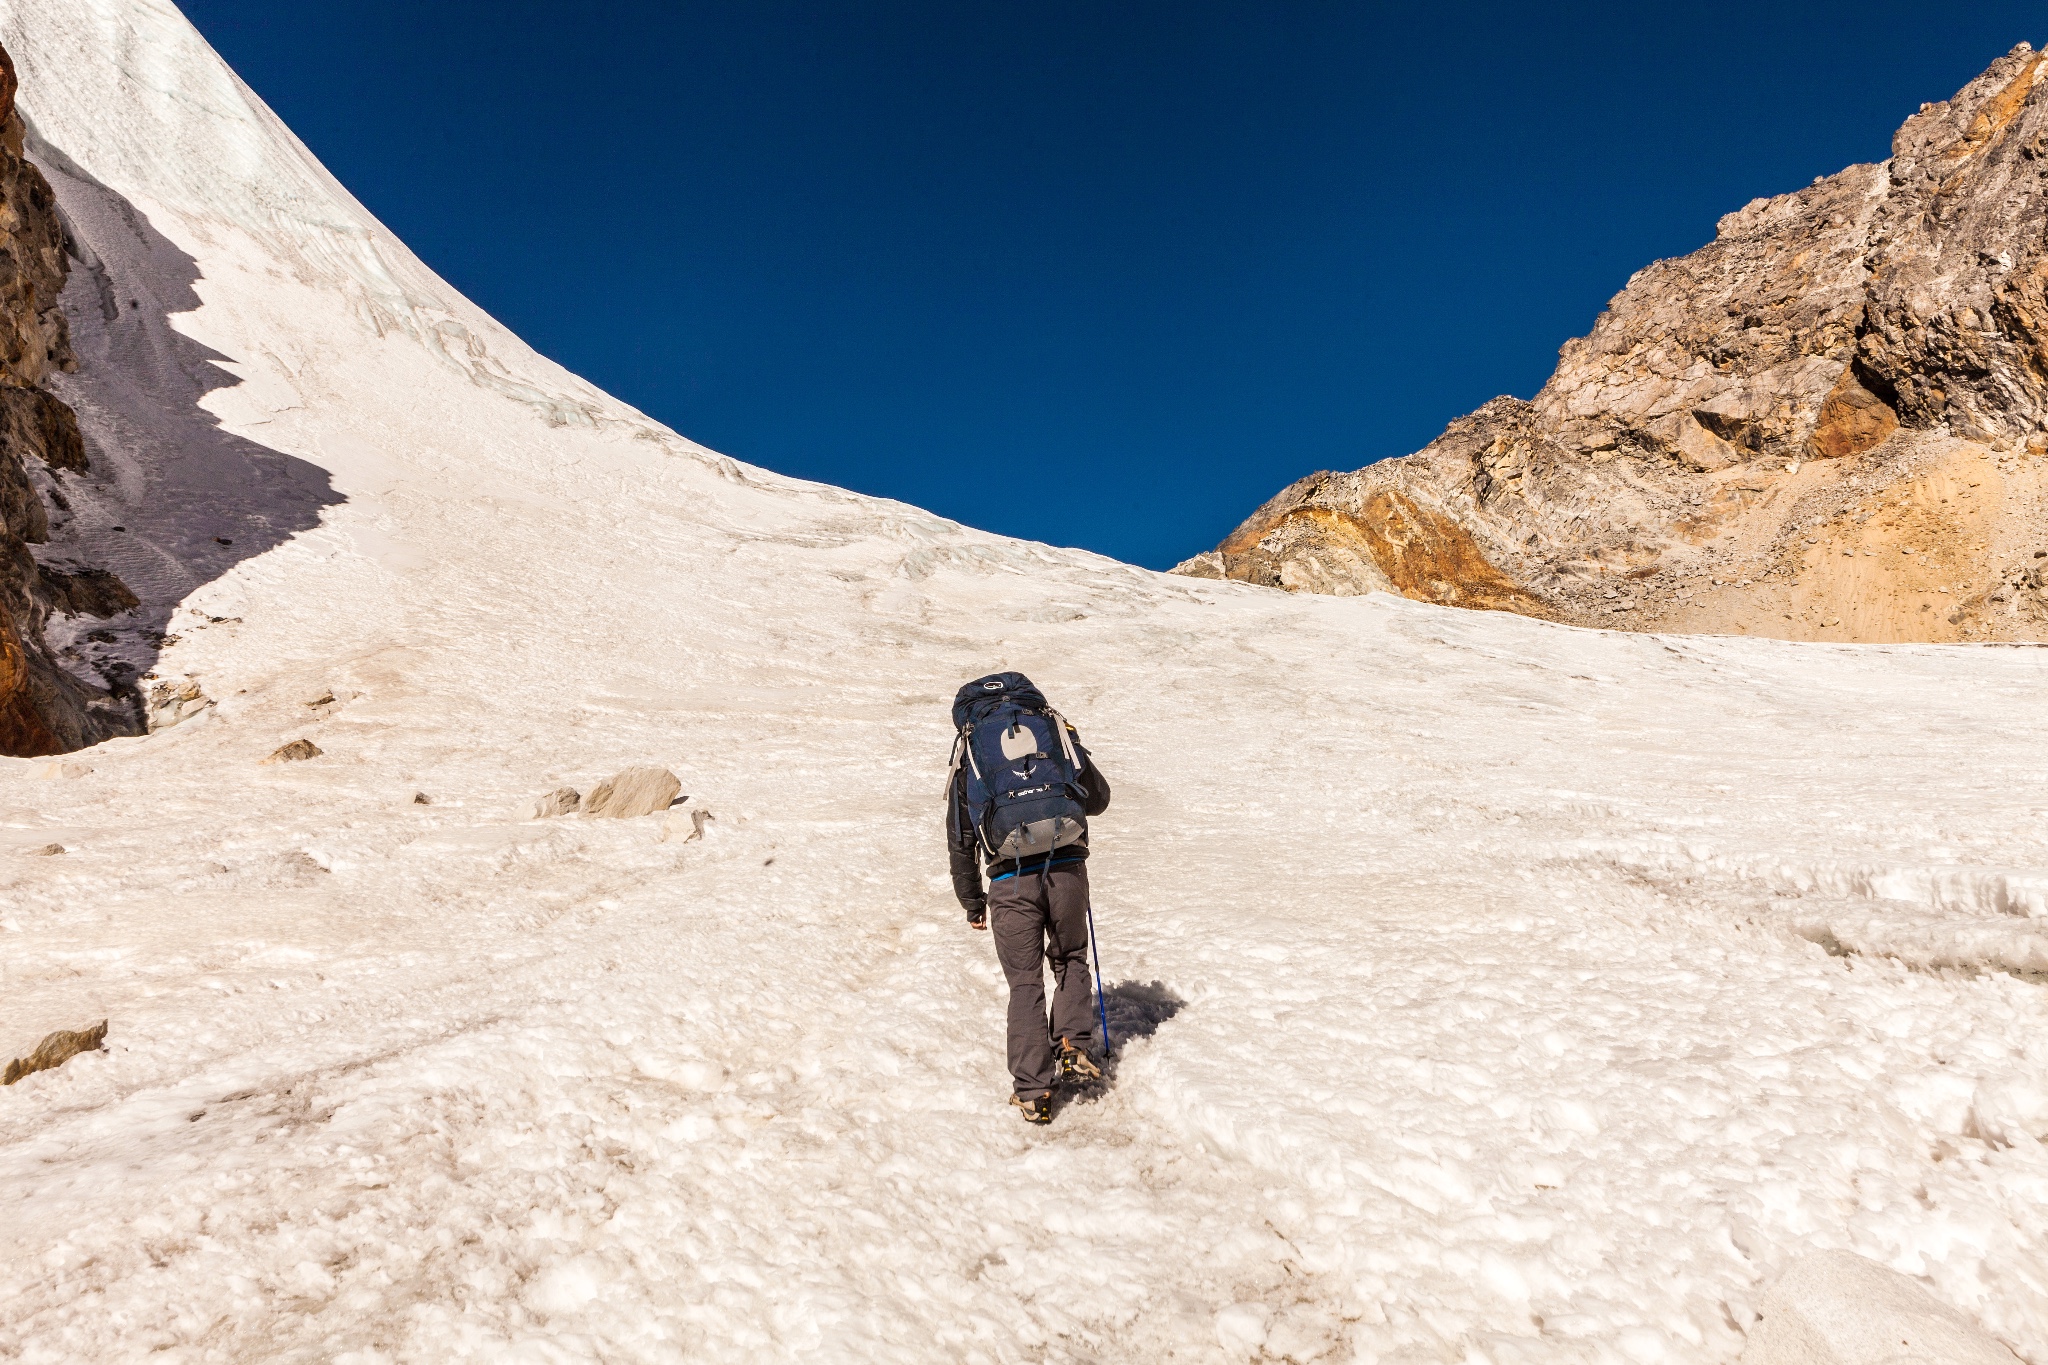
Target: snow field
{"points": [[554, 1089], [1522, 994]]}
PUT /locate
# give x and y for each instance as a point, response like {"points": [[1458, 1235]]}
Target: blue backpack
{"points": [[1021, 770]]}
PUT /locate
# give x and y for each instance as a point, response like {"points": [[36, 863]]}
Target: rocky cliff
{"points": [[44, 709], [1829, 423]]}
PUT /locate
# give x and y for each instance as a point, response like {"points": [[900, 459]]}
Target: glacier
{"points": [[1490, 990]]}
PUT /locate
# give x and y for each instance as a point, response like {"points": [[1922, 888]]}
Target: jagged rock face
{"points": [[1872, 348], [43, 708]]}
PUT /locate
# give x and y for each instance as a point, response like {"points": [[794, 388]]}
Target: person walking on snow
{"points": [[1018, 798]]}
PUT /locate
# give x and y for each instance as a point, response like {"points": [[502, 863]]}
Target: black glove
{"points": [[977, 914]]}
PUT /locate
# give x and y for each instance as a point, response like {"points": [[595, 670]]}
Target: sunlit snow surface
{"points": [[1543, 991]]}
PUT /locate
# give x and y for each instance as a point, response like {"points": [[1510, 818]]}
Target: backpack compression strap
{"points": [[1059, 723]]}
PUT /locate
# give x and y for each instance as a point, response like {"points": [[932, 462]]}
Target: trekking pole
{"points": [[1101, 1008]]}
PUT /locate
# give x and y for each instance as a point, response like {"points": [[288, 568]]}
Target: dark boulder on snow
{"points": [[86, 592]]}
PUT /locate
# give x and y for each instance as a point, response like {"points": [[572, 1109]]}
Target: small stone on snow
{"points": [[560, 801]]}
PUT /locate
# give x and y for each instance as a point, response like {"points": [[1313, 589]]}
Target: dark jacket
{"points": [[963, 847]]}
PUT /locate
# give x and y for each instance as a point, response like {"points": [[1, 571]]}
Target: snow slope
{"points": [[1495, 991]]}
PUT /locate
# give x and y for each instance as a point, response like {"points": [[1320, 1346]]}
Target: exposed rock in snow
{"points": [[560, 801], [55, 1050], [1861, 357], [295, 752], [293, 867], [1837, 1308], [171, 701], [86, 592], [634, 792], [685, 826]]}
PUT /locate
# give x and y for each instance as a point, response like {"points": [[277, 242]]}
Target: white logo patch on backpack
{"points": [[1018, 741]]}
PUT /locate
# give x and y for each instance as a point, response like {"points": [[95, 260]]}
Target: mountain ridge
{"points": [[1838, 377]]}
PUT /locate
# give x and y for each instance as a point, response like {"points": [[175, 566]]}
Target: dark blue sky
{"points": [[1099, 274]]}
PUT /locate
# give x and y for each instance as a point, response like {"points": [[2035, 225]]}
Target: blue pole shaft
{"points": [[1101, 1009]]}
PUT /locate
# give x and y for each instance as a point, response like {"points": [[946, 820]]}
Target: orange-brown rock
{"points": [[23, 731], [1393, 544], [1831, 352], [1852, 420]]}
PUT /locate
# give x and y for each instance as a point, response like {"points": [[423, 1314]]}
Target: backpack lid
{"points": [[983, 695]]}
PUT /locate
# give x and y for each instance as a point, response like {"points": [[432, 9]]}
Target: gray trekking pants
{"points": [[1040, 918]]}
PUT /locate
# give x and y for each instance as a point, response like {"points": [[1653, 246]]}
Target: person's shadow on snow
{"points": [[1136, 1009]]}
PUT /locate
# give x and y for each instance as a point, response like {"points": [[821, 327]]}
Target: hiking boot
{"points": [[1076, 1066], [1037, 1110]]}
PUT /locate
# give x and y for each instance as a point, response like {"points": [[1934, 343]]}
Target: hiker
{"points": [[1017, 798]]}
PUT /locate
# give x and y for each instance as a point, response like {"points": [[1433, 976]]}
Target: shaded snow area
{"points": [[1493, 991]]}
